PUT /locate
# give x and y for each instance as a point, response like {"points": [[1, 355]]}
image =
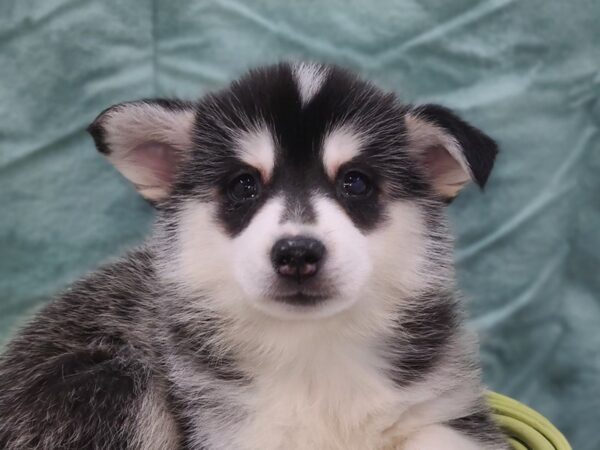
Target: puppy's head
{"points": [[300, 191]]}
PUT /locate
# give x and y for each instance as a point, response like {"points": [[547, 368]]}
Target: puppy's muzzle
{"points": [[297, 258]]}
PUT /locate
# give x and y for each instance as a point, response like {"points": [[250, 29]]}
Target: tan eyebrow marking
{"points": [[340, 146], [257, 149]]}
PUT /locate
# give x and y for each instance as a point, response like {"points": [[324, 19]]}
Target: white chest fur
{"points": [[337, 404], [325, 387]]}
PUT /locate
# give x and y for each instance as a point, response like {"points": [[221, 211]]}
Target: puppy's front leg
{"points": [[442, 437]]}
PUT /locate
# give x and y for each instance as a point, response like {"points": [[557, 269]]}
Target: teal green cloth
{"points": [[527, 72]]}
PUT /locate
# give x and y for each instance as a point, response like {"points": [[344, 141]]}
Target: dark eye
{"points": [[356, 184], [244, 187]]}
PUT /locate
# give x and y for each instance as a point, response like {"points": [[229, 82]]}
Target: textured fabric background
{"points": [[527, 72]]}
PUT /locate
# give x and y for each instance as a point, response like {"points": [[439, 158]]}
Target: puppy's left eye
{"points": [[244, 187], [356, 184]]}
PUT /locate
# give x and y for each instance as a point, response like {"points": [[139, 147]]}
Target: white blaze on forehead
{"points": [[309, 78], [339, 147], [257, 149]]}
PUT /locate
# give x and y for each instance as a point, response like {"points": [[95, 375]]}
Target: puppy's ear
{"points": [[451, 151], [146, 141]]}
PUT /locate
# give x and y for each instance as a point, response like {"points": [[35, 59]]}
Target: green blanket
{"points": [[527, 72]]}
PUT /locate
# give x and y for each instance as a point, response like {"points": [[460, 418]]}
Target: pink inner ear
{"points": [[439, 162], [157, 161], [446, 173]]}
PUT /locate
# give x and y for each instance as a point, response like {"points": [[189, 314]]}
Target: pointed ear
{"points": [[451, 151], [146, 141]]}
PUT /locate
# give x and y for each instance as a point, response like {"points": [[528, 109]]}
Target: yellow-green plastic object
{"points": [[526, 429]]}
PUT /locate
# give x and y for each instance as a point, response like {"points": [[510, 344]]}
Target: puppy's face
{"points": [[300, 191]]}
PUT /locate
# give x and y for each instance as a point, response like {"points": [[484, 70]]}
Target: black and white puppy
{"points": [[297, 291]]}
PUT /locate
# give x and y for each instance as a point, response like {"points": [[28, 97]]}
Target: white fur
{"points": [[318, 380], [439, 437], [201, 261], [399, 250], [157, 429], [238, 271], [320, 383], [145, 140], [329, 392], [347, 264], [309, 78], [251, 264], [339, 146], [257, 149], [379, 268]]}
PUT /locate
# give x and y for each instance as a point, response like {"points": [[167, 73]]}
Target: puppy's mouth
{"points": [[301, 298], [302, 294]]}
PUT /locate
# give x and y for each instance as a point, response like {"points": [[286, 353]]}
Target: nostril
{"points": [[312, 258], [297, 257]]}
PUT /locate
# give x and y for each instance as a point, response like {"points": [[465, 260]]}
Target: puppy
{"points": [[296, 293]]}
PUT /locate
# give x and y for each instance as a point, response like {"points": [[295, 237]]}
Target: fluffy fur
{"points": [[195, 341]]}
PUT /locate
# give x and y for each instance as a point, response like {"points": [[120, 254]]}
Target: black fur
{"points": [[297, 207], [72, 378], [270, 96], [424, 334], [193, 339], [479, 426]]}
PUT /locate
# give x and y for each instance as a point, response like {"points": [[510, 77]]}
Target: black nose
{"points": [[297, 257]]}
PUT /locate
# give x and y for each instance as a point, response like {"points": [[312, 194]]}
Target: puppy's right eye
{"points": [[244, 187], [355, 184]]}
